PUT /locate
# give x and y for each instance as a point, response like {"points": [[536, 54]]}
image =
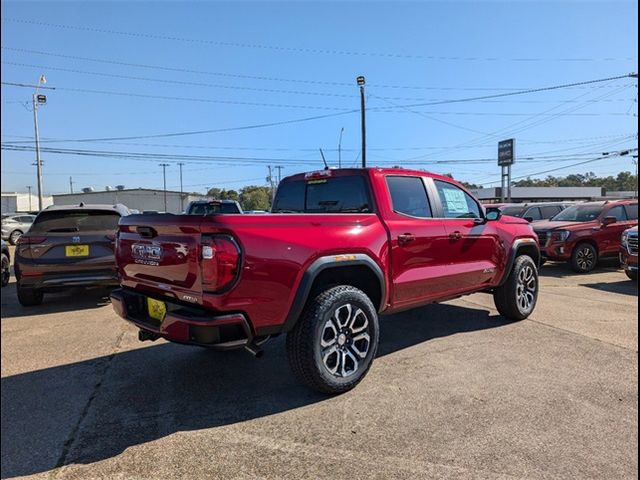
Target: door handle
{"points": [[455, 235], [405, 238]]}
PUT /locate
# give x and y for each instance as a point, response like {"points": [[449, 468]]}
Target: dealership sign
{"points": [[506, 152]]}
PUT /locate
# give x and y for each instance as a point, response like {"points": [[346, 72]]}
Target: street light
{"points": [[37, 100], [164, 180], [360, 81]]}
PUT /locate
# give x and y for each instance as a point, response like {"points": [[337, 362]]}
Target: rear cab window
{"points": [[408, 196], [340, 194], [60, 221]]}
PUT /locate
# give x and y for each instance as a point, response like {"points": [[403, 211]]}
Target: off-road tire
{"points": [[6, 271], [29, 297], [584, 258], [509, 297], [14, 236], [304, 342]]}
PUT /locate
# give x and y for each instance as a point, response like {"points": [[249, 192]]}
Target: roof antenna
{"points": [[326, 167]]}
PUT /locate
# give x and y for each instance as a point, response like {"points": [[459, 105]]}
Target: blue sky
{"points": [[221, 66]]}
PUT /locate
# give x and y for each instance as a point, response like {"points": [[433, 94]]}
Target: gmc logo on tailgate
{"points": [[142, 251]]}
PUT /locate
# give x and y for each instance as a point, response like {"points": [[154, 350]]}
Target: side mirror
{"points": [[492, 215], [529, 219], [608, 221]]}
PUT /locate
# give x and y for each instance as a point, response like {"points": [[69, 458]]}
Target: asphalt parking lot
{"points": [[456, 392]]}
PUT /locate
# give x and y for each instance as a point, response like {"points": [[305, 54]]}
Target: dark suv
{"points": [[67, 246], [533, 212], [585, 232]]}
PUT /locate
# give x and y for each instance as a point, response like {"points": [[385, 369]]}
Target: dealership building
{"points": [[141, 199], [18, 202], [549, 194]]}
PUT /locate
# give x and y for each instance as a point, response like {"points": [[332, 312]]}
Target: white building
{"points": [[135, 198], [19, 202]]}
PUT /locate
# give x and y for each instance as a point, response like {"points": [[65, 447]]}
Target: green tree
{"points": [[254, 197]]}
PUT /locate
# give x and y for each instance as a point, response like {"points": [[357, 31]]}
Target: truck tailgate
{"points": [[160, 253]]}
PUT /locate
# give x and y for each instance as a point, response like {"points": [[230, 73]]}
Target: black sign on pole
{"points": [[41, 98], [506, 152]]}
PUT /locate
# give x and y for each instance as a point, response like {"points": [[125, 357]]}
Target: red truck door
{"points": [[609, 235], [418, 243], [473, 248]]}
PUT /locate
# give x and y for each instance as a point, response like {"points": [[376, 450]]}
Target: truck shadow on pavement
{"points": [[65, 301], [93, 410]]}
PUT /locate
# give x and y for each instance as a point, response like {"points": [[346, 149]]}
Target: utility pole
{"points": [[270, 180], [29, 189], [340, 148], [164, 180], [71, 184], [360, 81], [37, 99], [279, 168], [180, 164]]}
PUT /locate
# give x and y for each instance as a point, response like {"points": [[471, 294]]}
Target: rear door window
{"points": [[533, 213], [550, 211], [409, 196], [75, 221], [632, 211], [456, 203], [619, 212]]}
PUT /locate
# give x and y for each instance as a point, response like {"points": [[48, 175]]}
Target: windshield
{"points": [[579, 213], [327, 195], [513, 211], [75, 221]]}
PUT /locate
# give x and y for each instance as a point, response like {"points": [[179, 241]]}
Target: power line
{"points": [[255, 89], [191, 99], [281, 48]]}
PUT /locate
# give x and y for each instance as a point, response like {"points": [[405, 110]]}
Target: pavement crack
{"points": [[68, 444]]}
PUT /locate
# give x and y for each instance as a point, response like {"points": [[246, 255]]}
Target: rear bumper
{"points": [[53, 281], [184, 324]]}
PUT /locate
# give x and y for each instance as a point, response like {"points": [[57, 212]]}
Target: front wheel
{"points": [[15, 235], [517, 298], [335, 340], [584, 258]]}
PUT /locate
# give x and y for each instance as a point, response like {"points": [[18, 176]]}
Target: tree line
{"points": [[623, 181], [252, 197]]}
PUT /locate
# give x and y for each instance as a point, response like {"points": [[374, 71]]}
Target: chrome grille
{"points": [[633, 245]]}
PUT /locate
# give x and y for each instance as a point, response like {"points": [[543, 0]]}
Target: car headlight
{"points": [[560, 235]]}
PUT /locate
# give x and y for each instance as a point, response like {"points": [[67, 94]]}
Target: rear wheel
{"points": [[584, 258], [15, 235], [517, 298], [335, 340], [29, 297], [6, 270]]}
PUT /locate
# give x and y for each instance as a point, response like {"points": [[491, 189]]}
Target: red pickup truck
{"points": [[339, 248]]}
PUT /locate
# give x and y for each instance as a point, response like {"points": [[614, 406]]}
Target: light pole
{"points": [[37, 99], [164, 180], [29, 189], [360, 81], [340, 148], [180, 164]]}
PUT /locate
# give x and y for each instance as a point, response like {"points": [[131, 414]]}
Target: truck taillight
{"points": [[220, 262]]}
